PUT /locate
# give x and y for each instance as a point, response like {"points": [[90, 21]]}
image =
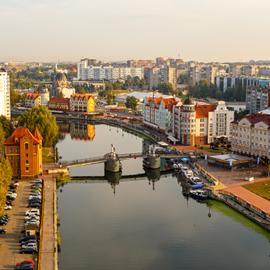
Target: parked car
{"points": [[26, 238], [2, 231], [8, 207], [28, 250]]}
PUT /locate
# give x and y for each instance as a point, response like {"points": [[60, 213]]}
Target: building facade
{"points": [[59, 104], [159, 75], [157, 112], [251, 135], [87, 71], [84, 103], [219, 122], [257, 99], [24, 152], [32, 100], [4, 93]]}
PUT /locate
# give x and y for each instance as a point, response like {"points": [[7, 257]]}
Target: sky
{"points": [[113, 30]]}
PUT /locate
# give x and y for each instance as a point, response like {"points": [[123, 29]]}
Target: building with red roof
{"points": [[59, 104], [198, 123], [251, 135], [32, 100], [157, 112], [84, 103], [24, 152]]}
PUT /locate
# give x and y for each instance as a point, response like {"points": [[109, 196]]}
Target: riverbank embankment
{"points": [[48, 254]]}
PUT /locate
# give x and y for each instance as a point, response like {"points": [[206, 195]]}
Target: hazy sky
{"points": [[207, 30]]}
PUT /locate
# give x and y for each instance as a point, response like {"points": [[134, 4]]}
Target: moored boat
{"points": [[199, 194]]}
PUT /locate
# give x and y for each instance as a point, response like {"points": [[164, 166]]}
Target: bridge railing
{"points": [[98, 158]]}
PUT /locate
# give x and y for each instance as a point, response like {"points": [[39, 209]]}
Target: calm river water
{"points": [[144, 225]]}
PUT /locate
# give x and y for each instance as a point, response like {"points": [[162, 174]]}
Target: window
{"points": [[26, 146]]}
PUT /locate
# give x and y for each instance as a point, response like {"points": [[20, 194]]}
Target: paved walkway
{"points": [[9, 243], [48, 259], [249, 197]]}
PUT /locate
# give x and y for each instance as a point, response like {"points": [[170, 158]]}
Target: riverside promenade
{"points": [[48, 256]]}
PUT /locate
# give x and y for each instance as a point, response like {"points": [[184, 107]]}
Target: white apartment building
{"points": [[108, 73], [4, 93], [219, 122], [251, 135]]}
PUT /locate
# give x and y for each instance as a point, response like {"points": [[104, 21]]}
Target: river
{"points": [[142, 224]]}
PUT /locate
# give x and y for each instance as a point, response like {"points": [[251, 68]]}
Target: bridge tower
{"points": [[152, 160], [112, 161]]}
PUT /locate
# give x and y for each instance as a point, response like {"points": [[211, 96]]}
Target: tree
{"points": [[43, 119], [166, 88], [131, 103], [2, 139], [110, 97], [6, 125]]}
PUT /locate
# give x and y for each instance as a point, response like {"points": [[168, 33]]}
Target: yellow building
{"points": [[24, 152], [84, 103]]}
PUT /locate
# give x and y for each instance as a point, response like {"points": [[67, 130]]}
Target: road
{"points": [[9, 243]]}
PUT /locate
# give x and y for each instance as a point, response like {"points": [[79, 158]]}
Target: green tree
{"points": [[2, 139], [5, 178], [131, 103], [6, 125], [166, 88], [43, 119], [110, 97]]}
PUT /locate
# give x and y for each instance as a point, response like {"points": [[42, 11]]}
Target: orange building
{"points": [[24, 152]]}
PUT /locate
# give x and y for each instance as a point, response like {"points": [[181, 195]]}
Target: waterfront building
{"points": [[4, 93], [82, 103], [32, 100], [45, 96], [219, 122], [251, 135], [257, 98], [59, 104], [157, 112], [24, 152], [190, 122], [197, 123]]}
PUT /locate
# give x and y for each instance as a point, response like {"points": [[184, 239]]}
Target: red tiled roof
{"points": [[59, 100], [258, 117], [37, 134], [32, 95], [203, 110], [168, 102], [86, 96], [20, 133]]}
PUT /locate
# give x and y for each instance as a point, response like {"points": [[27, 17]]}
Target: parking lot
{"points": [[9, 242]]}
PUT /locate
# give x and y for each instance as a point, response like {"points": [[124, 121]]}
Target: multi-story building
{"points": [[108, 73], [32, 100], [159, 75], [24, 152], [200, 73], [257, 99], [59, 104], [219, 121], [157, 112], [82, 103], [197, 123], [251, 135], [4, 93]]}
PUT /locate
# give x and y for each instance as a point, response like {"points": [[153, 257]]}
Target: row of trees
{"points": [[5, 168], [206, 90]]}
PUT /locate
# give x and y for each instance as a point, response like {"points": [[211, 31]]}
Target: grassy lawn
{"points": [[208, 149], [261, 188], [47, 155]]}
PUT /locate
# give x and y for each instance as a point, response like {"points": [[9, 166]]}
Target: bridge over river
{"points": [[102, 159]]}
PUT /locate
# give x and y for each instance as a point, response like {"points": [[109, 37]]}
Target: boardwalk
{"points": [[48, 247]]}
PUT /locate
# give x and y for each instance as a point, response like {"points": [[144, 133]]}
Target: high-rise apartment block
{"points": [[164, 74], [107, 73], [4, 93], [257, 99]]}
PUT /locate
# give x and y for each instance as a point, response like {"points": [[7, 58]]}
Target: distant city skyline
{"points": [[115, 30]]}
